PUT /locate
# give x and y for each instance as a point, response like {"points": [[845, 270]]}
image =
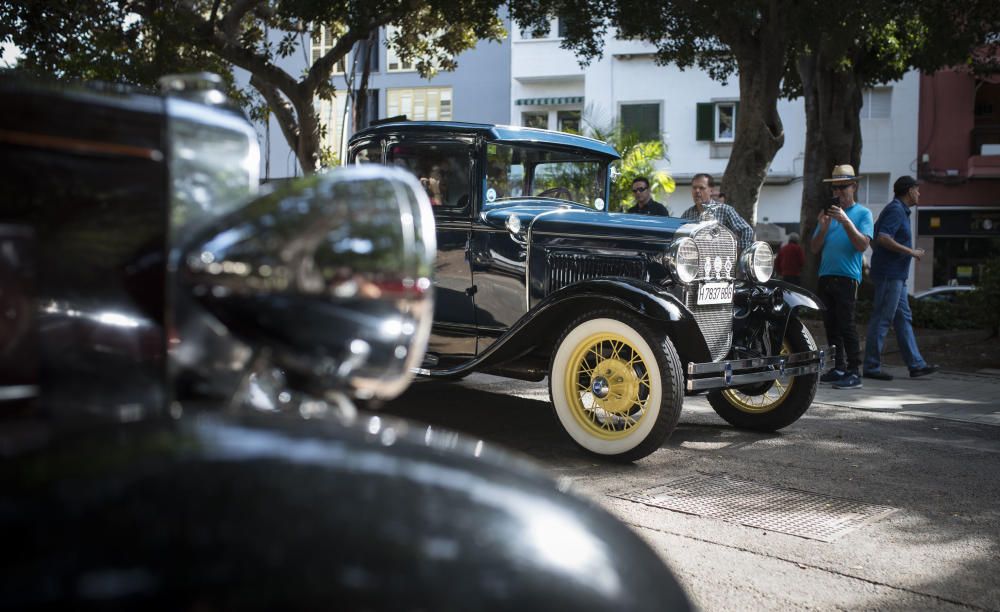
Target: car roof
{"points": [[497, 133]]}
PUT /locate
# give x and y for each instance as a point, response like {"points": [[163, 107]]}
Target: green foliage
{"points": [[137, 42], [963, 313], [986, 297], [934, 314], [637, 160]]}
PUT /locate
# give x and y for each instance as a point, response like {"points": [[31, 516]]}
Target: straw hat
{"points": [[842, 174]]}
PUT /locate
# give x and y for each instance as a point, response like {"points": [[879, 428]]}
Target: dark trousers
{"points": [[840, 295]]}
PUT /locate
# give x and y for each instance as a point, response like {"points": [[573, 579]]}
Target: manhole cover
{"points": [[799, 513]]}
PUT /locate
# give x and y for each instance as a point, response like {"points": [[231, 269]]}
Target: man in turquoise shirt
{"points": [[843, 232]]}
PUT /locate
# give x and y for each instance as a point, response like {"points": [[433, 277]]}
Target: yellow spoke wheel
{"points": [[775, 395], [607, 383], [775, 405], [616, 384]]}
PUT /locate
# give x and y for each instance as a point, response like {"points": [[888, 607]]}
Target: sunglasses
{"points": [[839, 187], [638, 189]]}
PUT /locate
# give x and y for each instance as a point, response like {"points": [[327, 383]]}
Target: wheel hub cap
{"points": [[600, 387], [619, 384]]}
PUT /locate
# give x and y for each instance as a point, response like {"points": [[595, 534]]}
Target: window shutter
{"points": [[705, 129]]}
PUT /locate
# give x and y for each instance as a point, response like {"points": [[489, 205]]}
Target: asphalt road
{"points": [[892, 492]]}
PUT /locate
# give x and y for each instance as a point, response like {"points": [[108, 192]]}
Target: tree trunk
{"points": [[833, 137], [308, 146], [759, 132], [362, 93]]}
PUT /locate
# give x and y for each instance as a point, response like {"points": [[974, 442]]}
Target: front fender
{"points": [[795, 296], [775, 301], [541, 326]]}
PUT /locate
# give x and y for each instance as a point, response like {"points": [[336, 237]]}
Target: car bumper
{"points": [[738, 372]]}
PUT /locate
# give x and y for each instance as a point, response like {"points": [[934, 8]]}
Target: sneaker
{"points": [[849, 381], [878, 375], [832, 376], [924, 371]]}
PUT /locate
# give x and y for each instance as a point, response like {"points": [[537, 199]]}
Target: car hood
{"points": [[572, 220]]}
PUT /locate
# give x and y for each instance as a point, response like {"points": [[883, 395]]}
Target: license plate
{"points": [[715, 293]]}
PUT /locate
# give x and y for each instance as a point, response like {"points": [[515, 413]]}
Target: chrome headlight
{"points": [[757, 262], [682, 260]]}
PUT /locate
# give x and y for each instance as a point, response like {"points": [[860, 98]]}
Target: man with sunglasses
{"points": [[843, 232], [644, 202]]}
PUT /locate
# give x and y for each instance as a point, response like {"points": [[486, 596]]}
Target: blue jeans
{"points": [[891, 307]]}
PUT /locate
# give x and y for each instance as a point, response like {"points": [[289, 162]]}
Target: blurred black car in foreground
{"points": [[138, 277]]}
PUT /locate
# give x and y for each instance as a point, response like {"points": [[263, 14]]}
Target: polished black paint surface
{"points": [[535, 334], [331, 273], [254, 511], [508, 303], [85, 172], [270, 499]]}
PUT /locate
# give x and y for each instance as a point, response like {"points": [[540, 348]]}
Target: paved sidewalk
{"points": [[973, 398]]}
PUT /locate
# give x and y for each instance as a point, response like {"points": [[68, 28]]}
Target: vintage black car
{"points": [[176, 425], [623, 313]]}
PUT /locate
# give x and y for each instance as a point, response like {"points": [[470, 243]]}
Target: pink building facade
{"points": [[958, 161]]}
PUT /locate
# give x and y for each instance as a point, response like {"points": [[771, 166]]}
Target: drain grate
{"points": [[798, 513]]}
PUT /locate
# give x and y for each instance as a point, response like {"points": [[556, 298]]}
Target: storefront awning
{"points": [[549, 101]]}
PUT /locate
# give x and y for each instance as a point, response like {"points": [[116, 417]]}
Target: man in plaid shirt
{"points": [[705, 208]]}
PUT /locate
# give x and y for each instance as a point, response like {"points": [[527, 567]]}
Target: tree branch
{"points": [[231, 20], [281, 108]]}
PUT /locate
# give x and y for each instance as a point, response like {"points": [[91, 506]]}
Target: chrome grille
{"points": [[715, 320], [568, 268]]}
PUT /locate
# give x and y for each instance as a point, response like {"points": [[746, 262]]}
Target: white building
{"points": [[694, 116]]}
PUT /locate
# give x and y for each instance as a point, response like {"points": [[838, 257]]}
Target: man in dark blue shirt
{"points": [[892, 251], [644, 202]]}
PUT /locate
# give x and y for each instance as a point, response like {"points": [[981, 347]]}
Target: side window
{"points": [[443, 169], [368, 153]]}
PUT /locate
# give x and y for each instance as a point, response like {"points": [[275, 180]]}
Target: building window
{"points": [[393, 63], [716, 121], [641, 119], [367, 50], [535, 119], [725, 122], [322, 41], [568, 121], [420, 103], [561, 27], [873, 190], [331, 117], [876, 103]]}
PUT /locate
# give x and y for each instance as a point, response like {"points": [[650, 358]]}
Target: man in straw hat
{"points": [[843, 232]]}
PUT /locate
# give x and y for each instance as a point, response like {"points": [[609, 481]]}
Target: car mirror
{"points": [[328, 275]]}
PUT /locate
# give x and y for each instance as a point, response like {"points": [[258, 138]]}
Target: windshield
{"points": [[519, 171]]}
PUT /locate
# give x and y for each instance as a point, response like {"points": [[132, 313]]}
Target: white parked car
{"points": [[943, 293]]}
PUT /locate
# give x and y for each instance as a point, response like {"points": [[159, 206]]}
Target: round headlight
{"points": [[757, 262], [683, 260]]}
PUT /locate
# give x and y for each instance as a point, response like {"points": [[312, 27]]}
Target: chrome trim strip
{"points": [[592, 236], [527, 254], [79, 146], [728, 373], [16, 392]]}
